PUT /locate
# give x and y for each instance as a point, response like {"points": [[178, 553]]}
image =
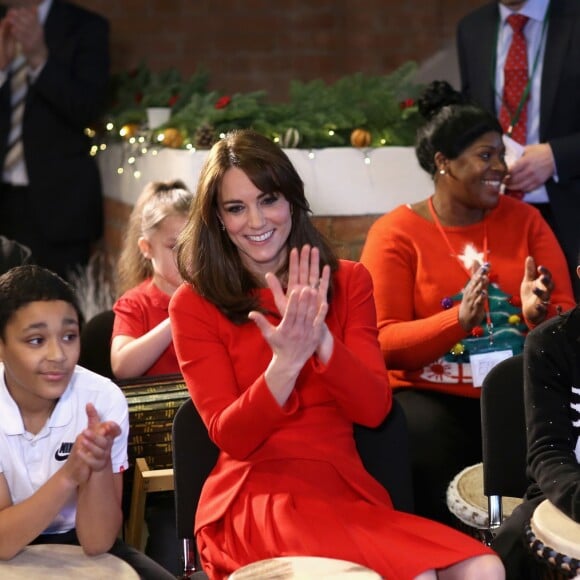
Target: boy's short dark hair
{"points": [[25, 284]]}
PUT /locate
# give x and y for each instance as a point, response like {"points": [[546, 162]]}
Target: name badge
{"points": [[483, 362], [513, 150]]}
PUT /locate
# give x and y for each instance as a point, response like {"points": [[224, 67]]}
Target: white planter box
{"points": [[338, 181]]}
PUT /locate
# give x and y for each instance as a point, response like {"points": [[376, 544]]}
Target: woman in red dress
{"points": [[277, 342]]}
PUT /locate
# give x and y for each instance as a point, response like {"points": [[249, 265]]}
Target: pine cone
{"points": [[204, 137]]}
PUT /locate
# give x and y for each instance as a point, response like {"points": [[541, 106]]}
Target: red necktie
{"points": [[515, 82]]}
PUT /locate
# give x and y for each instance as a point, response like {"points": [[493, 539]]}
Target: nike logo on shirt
{"points": [[63, 451]]}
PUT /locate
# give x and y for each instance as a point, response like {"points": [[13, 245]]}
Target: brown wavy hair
{"points": [[207, 258]]}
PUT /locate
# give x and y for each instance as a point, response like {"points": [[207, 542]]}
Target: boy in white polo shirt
{"points": [[63, 432]]}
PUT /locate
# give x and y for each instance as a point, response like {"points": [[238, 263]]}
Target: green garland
{"points": [[317, 114]]}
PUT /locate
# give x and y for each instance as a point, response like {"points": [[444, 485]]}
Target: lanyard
{"points": [[463, 267], [514, 117]]}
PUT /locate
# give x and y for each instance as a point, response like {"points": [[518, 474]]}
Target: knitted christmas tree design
{"points": [[508, 327]]}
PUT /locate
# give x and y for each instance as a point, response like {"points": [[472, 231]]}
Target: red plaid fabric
{"points": [[515, 81]]}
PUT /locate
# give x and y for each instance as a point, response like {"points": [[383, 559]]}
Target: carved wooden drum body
{"points": [[153, 402], [467, 502]]}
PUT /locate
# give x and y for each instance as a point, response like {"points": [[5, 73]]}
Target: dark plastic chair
{"points": [[503, 426], [194, 456], [96, 344], [383, 450]]}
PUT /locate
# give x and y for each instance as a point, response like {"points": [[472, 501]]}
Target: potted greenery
{"points": [[160, 93]]}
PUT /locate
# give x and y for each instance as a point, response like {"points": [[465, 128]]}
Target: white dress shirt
{"points": [[535, 31]]}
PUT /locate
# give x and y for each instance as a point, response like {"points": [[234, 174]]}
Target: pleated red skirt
{"points": [[305, 508]]}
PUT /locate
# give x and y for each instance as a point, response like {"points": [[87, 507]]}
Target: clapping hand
{"points": [[472, 307], [535, 291], [7, 45], [303, 271], [27, 31], [92, 448], [97, 439], [303, 307]]}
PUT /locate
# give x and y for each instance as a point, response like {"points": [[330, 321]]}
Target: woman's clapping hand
{"points": [[536, 291], [472, 307], [303, 306]]}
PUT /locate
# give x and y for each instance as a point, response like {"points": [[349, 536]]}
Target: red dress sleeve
{"points": [[223, 365]]}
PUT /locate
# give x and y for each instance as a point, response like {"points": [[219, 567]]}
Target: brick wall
{"points": [[346, 233], [249, 45]]}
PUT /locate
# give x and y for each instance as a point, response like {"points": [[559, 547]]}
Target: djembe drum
{"points": [[467, 502], [304, 568], [554, 540], [57, 561]]}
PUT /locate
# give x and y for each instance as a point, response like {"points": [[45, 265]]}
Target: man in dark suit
{"points": [[50, 196], [549, 170]]}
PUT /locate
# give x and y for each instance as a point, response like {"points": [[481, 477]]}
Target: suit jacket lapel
{"points": [[56, 25], [557, 41], [484, 45]]}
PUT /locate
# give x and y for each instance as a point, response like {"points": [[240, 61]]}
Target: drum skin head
{"points": [[58, 561], [556, 529], [303, 568]]}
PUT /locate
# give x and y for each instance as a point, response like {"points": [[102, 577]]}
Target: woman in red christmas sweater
{"points": [[458, 279]]}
